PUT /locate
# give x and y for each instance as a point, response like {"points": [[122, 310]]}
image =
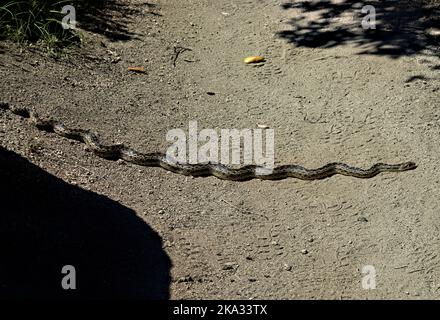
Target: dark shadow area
{"points": [[401, 26], [111, 17], [46, 223]]}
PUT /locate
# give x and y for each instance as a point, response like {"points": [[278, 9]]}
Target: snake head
{"points": [[408, 166]]}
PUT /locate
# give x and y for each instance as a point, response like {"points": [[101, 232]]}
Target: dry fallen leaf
{"points": [[254, 59], [136, 69]]}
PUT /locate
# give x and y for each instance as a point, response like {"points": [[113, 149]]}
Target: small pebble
{"points": [[185, 279], [287, 267], [228, 266]]}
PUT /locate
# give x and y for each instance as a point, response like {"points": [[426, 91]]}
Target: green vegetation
{"points": [[35, 20]]}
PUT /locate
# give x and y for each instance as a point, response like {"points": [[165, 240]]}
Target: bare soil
{"points": [[352, 101]]}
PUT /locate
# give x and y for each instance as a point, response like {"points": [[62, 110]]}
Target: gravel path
{"points": [[351, 99]]}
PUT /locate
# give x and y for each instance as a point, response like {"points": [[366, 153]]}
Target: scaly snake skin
{"points": [[156, 159]]}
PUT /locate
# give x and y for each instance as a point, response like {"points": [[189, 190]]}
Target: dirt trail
{"points": [[259, 239]]}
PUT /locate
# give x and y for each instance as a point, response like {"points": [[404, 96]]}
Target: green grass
{"points": [[35, 20]]}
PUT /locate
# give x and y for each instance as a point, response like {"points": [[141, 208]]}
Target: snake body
{"points": [[157, 159]]}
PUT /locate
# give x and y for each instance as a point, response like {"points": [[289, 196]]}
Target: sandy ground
{"points": [[286, 239]]}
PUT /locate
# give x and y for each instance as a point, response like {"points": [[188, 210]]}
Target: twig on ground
{"points": [[177, 51]]}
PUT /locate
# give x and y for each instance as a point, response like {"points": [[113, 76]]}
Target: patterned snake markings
{"points": [[157, 159]]}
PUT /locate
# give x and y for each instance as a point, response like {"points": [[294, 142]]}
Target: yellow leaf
{"points": [[254, 59], [136, 69]]}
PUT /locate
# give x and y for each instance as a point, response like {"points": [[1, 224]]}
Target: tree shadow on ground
{"points": [[111, 18], [401, 26], [46, 223]]}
